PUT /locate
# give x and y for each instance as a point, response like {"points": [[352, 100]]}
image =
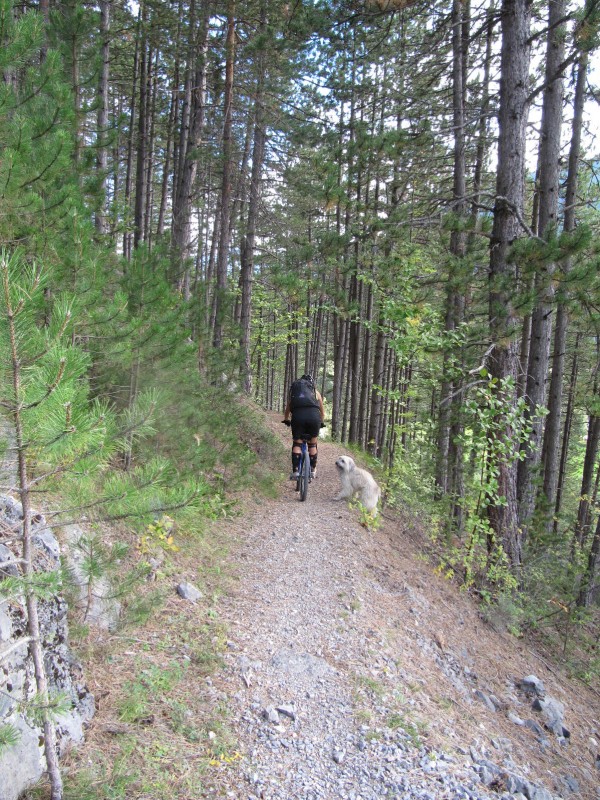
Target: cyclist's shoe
{"points": [[294, 476], [313, 474]]}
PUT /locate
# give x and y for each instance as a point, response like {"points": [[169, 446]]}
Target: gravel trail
{"points": [[346, 672]]}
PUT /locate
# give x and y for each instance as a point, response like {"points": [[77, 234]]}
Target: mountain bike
{"points": [[303, 478]]}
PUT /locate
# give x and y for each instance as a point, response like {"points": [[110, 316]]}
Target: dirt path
{"points": [[374, 663]]}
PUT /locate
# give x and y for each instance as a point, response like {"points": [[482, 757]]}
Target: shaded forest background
{"points": [[202, 200]]}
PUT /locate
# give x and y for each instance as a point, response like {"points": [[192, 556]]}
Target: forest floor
{"points": [[353, 636], [326, 661]]}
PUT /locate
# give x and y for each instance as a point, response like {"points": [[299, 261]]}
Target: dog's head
{"points": [[345, 464]]}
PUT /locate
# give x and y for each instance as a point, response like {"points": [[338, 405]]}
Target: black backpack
{"points": [[303, 395]]}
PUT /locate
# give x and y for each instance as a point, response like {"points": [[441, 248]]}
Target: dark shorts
{"points": [[306, 420]]}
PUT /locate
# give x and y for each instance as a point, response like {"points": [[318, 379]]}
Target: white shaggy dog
{"points": [[357, 481]]}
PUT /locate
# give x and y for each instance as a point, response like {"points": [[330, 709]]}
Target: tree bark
{"points": [[191, 139], [102, 117], [142, 138], [33, 623], [551, 448], [247, 248], [223, 252], [512, 121], [566, 437], [541, 318]]}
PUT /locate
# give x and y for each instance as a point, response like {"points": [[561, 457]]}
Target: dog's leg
{"points": [[346, 490], [342, 495]]}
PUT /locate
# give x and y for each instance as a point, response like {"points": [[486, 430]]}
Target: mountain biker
{"points": [[305, 408]]}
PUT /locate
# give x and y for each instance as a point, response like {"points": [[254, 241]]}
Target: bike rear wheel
{"points": [[304, 477]]}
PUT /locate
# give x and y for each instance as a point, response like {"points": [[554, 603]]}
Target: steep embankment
{"points": [[352, 670]]}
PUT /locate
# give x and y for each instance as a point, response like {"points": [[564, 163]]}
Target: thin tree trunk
{"points": [[247, 249], [33, 623], [127, 235], [164, 191], [366, 374], [151, 128], [102, 118], [582, 527], [142, 141], [374, 441], [566, 438]]}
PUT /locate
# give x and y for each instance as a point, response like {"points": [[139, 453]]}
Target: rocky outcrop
{"points": [[23, 763]]}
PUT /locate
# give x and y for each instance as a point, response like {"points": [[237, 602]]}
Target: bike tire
{"points": [[304, 478]]}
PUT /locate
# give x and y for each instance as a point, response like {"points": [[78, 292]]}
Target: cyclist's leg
{"points": [[296, 451]]}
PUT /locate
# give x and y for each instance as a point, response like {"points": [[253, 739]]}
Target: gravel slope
{"points": [[352, 670]]}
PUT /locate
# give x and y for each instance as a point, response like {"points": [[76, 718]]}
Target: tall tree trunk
{"points": [[512, 121], [142, 140], [355, 340], [189, 149], [127, 237], [164, 191], [247, 248], [541, 318], [102, 118], [552, 430], [223, 252], [449, 400], [153, 56], [366, 375]]}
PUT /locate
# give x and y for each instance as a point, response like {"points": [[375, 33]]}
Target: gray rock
{"points": [[515, 784], [569, 784], [287, 711], [300, 664], [532, 685], [502, 744], [532, 725], [553, 713], [7, 555], [11, 511], [270, 714], [515, 719], [46, 541], [539, 793], [484, 699], [5, 626], [23, 764], [102, 610], [188, 591]]}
